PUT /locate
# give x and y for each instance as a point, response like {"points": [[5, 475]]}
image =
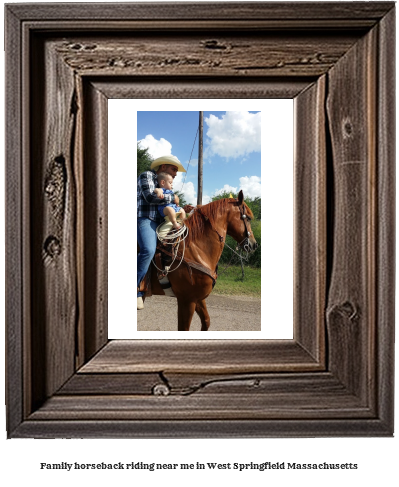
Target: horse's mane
{"points": [[206, 215]]}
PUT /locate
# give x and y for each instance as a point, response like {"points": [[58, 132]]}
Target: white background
{"points": [[277, 214], [377, 458]]}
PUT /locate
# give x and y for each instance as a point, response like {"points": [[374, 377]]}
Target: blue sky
{"points": [[231, 147]]}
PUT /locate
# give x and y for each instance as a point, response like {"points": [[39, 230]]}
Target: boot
{"points": [[140, 303]]}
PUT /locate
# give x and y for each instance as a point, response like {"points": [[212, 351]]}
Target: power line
{"points": [[192, 150]]}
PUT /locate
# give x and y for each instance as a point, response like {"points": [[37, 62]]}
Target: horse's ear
{"points": [[240, 197]]}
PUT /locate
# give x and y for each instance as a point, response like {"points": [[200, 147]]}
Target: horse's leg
{"points": [[185, 311], [202, 312]]}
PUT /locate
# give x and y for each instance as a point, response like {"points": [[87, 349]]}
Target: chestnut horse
{"points": [[192, 281]]}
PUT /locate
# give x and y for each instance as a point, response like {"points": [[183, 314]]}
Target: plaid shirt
{"points": [[147, 202]]}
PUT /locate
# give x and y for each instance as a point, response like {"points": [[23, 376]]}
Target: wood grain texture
{"points": [[277, 396], [113, 384], [196, 87], [95, 223], [362, 13], [335, 377], [191, 428], [310, 200], [15, 260], [351, 299], [385, 224], [247, 55], [53, 213], [207, 407], [185, 384], [311, 194], [200, 356]]}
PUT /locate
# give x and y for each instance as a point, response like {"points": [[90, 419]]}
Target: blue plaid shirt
{"points": [[147, 202]]}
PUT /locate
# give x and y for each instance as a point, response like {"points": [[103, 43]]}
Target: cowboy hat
{"points": [[172, 160]]}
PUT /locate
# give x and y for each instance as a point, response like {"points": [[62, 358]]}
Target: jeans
{"points": [[147, 239]]}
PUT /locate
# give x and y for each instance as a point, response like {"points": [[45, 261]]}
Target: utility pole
{"points": [[200, 147]]}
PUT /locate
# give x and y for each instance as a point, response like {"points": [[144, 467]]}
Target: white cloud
{"points": [[234, 135], [162, 147], [156, 148], [188, 189], [226, 189], [193, 162], [251, 186], [206, 199]]}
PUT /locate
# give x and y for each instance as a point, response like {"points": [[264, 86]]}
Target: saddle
{"points": [[165, 255], [162, 260]]}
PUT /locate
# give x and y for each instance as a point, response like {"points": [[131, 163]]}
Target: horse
{"points": [[193, 277]]}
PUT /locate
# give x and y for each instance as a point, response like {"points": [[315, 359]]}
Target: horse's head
{"points": [[239, 225]]}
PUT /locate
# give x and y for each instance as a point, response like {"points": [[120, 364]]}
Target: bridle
{"points": [[245, 244]]}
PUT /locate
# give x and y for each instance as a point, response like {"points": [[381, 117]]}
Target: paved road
{"points": [[237, 313]]}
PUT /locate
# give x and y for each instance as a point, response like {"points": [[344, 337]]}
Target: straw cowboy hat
{"points": [[172, 160]]}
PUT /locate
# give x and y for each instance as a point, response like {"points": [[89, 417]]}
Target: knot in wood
{"points": [[346, 310], [52, 246], [161, 390], [90, 47], [213, 44], [349, 310], [50, 189], [347, 128], [54, 186]]}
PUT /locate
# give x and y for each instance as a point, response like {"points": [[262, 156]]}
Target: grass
{"points": [[230, 281]]}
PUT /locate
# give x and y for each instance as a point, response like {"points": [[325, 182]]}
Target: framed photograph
{"points": [[248, 146], [65, 377]]}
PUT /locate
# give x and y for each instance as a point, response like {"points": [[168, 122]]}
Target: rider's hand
{"points": [[159, 193]]}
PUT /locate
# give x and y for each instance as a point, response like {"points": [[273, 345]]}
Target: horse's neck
{"points": [[208, 248]]}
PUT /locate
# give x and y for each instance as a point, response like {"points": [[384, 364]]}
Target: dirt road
{"points": [[227, 313]]}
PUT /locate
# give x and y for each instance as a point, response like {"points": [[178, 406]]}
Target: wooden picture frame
{"points": [[64, 378]]}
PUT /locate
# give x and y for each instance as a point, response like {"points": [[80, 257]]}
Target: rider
{"points": [[148, 217], [169, 210]]}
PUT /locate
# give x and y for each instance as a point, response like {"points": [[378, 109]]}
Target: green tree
{"points": [[144, 160], [256, 206], [225, 194], [182, 199]]}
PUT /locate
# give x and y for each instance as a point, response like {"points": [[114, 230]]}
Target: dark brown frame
{"points": [[64, 379]]}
